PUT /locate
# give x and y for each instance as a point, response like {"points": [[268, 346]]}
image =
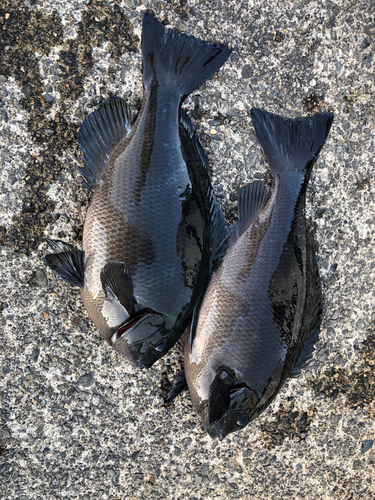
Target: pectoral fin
{"points": [[117, 284], [219, 398], [69, 265], [178, 386]]}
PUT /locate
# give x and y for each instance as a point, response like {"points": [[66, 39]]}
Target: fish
{"points": [[153, 230], [264, 299]]}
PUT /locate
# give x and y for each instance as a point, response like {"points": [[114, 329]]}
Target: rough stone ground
{"points": [[76, 420]]}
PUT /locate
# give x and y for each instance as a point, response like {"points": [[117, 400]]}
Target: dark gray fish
{"points": [[153, 231], [264, 299]]}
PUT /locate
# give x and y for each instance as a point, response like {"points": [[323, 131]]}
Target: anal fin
{"points": [[251, 199], [196, 161], [313, 308], [306, 352]]}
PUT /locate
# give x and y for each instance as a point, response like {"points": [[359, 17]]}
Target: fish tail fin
{"points": [[176, 59], [291, 145]]}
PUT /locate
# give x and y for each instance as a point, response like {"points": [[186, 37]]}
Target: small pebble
{"points": [[366, 445], [75, 321]]}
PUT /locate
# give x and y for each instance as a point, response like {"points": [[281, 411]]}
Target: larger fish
{"points": [[265, 297], [153, 223]]}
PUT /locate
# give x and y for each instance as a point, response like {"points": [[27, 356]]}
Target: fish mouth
{"points": [[141, 338], [232, 394], [129, 325], [243, 403]]}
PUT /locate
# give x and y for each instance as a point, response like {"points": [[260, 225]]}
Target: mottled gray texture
{"points": [[77, 421]]}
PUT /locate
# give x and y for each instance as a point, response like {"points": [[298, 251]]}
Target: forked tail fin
{"points": [[291, 145], [176, 59]]}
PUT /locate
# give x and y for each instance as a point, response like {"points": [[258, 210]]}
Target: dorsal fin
{"points": [[251, 199], [219, 397], [196, 161], [313, 308], [98, 136], [69, 265], [194, 320], [117, 284]]}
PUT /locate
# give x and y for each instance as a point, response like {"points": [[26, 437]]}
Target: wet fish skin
{"points": [[148, 237], [265, 297]]}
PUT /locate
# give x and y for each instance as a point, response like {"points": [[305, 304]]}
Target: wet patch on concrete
{"points": [[313, 103], [26, 232], [100, 23], [358, 386], [288, 422], [27, 31]]}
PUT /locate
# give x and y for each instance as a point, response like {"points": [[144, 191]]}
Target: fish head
{"points": [[142, 338], [242, 407]]}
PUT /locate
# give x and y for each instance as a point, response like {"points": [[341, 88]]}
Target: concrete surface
{"points": [[76, 420]]}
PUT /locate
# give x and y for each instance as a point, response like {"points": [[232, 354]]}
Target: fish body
{"points": [[148, 237], [264, 298]]}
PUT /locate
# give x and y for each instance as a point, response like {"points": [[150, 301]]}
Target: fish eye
{"points": [[160, 346], [242, 421]]}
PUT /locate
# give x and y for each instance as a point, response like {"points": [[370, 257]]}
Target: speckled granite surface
{"points": [[77, 421]]}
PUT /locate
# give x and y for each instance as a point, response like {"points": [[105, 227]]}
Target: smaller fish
{"points": [[264, 299]]}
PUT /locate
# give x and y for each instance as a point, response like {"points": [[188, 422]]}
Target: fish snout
{"points": [[141, 339], [243, 402]]}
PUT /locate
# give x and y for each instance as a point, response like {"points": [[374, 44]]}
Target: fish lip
{"points": [[142, 366], [214, 431], [128, 326]]}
